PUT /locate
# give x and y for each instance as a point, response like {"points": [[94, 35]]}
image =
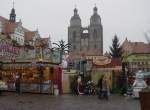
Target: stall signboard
{"points": [[99, 60]]}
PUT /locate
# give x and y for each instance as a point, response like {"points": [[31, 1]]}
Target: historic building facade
{"points": [[12, 28], [85, 40], [20, 43], [137, 55]]}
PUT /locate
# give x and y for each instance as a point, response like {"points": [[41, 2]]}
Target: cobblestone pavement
{"points": [[11, 101]]}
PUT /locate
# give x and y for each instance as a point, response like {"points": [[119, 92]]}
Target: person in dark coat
{"points": [[100, 87], [0, 88], [105, 88], [17, 83]]}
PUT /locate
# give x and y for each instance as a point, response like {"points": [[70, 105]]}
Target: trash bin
{"points": [[56, 90]]}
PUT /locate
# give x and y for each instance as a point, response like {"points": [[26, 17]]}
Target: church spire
{"points": [[12, 14], [95, 9], [75, 19], [75, 10], [13, 4], [95, 18]]}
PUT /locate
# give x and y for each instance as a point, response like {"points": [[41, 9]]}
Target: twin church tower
{"points": [[86, 40]]}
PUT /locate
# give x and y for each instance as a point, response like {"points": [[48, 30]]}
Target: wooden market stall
{"points": [[39, 77]]}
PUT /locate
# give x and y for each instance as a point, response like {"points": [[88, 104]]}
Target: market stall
{"points": [[35, 78]]}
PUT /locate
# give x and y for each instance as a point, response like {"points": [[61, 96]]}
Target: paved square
{"points": [[11, 101]]}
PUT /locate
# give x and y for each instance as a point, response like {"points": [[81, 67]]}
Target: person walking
{"points": [[99, 85], [105, 88], [17, 83], [0, 87], [80, 87]]}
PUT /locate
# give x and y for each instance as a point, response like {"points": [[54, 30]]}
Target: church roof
{"points": [[95, 18], [76, 15]]}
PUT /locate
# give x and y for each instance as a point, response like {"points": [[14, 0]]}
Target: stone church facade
{"points": [[85, 40]]}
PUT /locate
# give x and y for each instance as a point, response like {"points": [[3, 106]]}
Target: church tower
{"points": [[96, 33], [74, 32], [12, 17], [86, 40]]}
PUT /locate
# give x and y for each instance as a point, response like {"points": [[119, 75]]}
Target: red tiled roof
{"points": [[29, 35], [3, 19], [136, 47], [8, 27], [140, 47]]}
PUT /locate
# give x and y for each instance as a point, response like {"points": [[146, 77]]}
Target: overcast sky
{"points": [[126, 18]]}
